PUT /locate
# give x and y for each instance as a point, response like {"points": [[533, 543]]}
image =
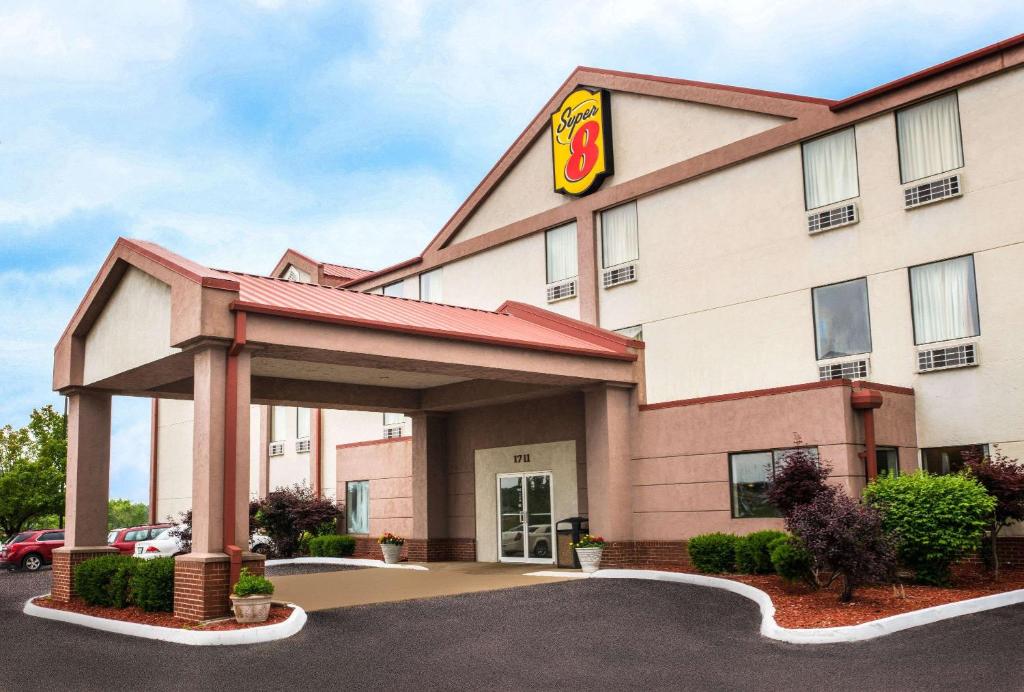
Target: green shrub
{"points": [[933, 519], [713, 552], [332, 546], [249, 584], [791, 560], [753, 551], [153, 585], [106, 580]]}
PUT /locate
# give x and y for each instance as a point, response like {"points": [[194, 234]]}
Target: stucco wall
{"points": [[174, 458], [341, 427], [387, 465]]}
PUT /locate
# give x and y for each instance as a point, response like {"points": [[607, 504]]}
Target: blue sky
{"points": [[228, 131]]}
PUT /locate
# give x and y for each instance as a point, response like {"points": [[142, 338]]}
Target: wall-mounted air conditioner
{"points": [[276, 449], [845, 370], [616, 276], [818, 221], [948, 357], [561, 291], [932, 191]]}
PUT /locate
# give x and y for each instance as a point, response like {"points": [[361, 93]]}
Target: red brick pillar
{"points": [[201, 588], [64, 562]]}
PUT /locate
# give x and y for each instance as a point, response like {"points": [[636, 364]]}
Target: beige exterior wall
{"points": [[143, 302], [174, 458], [343, 427], [388, 468]]}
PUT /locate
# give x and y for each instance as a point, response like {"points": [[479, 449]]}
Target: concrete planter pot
{"points": [[249, 609], [590, 558], [392, 553]]}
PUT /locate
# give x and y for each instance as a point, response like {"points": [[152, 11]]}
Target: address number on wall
{"points": [[521, 458]]}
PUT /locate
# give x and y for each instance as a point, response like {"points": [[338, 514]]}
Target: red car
{"points": [[32, 549], [125, 539]]}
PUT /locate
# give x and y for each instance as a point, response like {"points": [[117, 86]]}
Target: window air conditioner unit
{"points": [[392, 431], [276, 449], [561, 291], [932, 191], [616, 276], [302, 446], [847, 370], [818, 221], [959, 356]]}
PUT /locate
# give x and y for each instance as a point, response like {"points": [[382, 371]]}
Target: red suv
{"points": [[125, 539], [31, 550]]}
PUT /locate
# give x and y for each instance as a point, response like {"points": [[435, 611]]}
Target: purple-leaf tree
{"points": [[799, 481], [1003, 479]]}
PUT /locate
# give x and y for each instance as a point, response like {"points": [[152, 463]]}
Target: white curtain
{"points": [[751, 467], [357, 502], [929, 138], [430, 286], [945, 301], [619, 242], [278, 423], [561, 253], [394, 418], [302, 422], [830, 169]]}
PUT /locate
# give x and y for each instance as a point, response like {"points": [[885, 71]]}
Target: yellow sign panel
{"points": [[581, 142]]}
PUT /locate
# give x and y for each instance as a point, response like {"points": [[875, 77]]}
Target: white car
{"points": [[164, 545]]}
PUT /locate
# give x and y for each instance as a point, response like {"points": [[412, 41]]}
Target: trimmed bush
{"points": [[791, 560], [753, 551], [249, 584], [332, 546], [713, 553], [106, 580], [933, 519], [153, 585]]}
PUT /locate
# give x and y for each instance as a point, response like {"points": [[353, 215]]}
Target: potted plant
{"points": [[588, 550], [251, 597], [391, 546]]}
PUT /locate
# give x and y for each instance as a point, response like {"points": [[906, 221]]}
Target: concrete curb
{"points": [[253, 635], [820, 635], [352, 561]]}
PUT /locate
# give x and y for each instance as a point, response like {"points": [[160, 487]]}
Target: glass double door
{"points": [[525, 529]]}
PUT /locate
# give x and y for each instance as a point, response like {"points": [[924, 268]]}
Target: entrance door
{"points": [[525, 529]]}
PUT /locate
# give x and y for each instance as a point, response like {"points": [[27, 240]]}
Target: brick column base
{"points": [[441, 549], [64, 562], [201, 584], [645, 555]]}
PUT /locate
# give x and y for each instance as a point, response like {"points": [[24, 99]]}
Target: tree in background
{"points": [[1003, 479], [123, 513], [33, 464]]}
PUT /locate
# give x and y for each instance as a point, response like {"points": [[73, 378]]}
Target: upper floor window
{"points": [[278, 423], [929, 138], [560, 250], [430, 286], [944, 300], [635, 332], [619, 242], [395, 289], [841, 323], [830, 169], [301, 422]]}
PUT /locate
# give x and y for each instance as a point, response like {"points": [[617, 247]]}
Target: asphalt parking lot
{"points": [[594, 634]]}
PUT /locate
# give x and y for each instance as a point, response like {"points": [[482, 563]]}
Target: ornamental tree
{"points": [[1003, 479], [799, 481], [287, 513]]}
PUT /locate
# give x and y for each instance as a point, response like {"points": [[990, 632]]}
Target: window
{"points": [[278, 423], [52, 536], [560, 249], [928, 135], [394, 418], [619, 243], [112, 536], [395, 289], [635, 332], [888, 459], [830, 169], [302, 422], [841, 323], [430, 286], [943, 460], [944, 300], [749, 473], [357, 506]]}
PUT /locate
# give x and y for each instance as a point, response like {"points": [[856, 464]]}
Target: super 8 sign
{"points": [[581, 142]]}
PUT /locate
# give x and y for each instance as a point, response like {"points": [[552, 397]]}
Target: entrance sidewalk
{"points": [[375, 585]]}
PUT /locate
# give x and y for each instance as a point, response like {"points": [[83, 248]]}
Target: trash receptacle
{"points": [[569, 531]]}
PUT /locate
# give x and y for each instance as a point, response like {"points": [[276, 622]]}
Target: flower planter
{"points": [[590, 558], [249, 609], [392, 553]]}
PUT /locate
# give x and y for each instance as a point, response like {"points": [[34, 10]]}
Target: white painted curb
{"points": [[252, 635], [353, 561], [820, 635]]}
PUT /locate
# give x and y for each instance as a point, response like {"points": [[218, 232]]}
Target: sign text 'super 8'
{"points": [[581, 142]]}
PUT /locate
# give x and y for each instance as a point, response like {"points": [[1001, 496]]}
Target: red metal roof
{"points": [[340, 271], [261, 294]]}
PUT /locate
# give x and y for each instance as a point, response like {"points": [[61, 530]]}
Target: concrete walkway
{"points": [[374, 585]]}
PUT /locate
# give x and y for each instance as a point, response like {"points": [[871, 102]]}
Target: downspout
{"points": [[866, 401], [231, 448], [154, 422], [317, 444]]}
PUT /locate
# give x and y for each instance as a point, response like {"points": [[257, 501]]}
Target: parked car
{"points": [[32, 549], [540, 541], [261, 544], [162, 545], [125, 539]]}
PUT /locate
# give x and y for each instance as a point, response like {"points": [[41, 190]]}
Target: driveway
{"points": [[597, 634]]}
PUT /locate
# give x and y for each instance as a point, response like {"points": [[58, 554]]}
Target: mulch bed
{"points": [[135, 614], [797, 606]]}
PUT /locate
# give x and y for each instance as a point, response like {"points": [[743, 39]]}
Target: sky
{"points": [[230, 131]]}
